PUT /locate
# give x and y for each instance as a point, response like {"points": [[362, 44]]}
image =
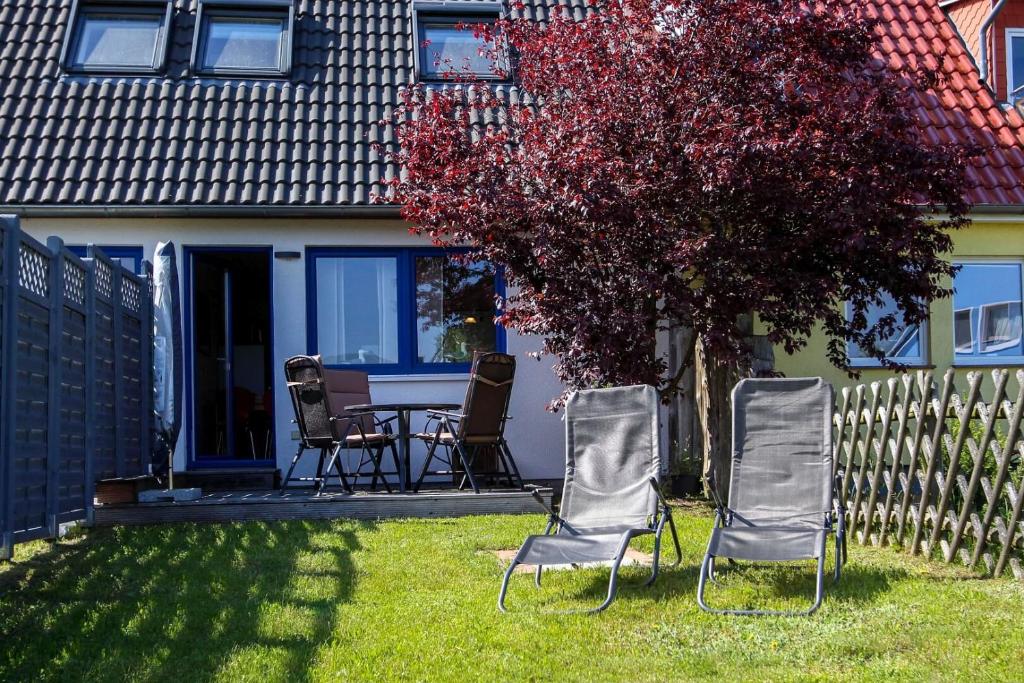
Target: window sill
{"points": [[425, 377], [1009, 362], [875, 365]]}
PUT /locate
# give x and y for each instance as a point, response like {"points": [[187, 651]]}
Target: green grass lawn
{"points": [[415, 600]]}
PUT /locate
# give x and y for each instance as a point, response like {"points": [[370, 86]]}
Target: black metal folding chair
{"points": [[324, 429], [782, 493], [478, 431]]}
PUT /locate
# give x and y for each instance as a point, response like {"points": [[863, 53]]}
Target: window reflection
{"points": [[987, 311], [243, 43], [454, 309], [445, 47], [905, 344], [115, 40]]}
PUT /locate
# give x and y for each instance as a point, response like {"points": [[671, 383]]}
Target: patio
{"points": [[293, 504], [414, 600]]}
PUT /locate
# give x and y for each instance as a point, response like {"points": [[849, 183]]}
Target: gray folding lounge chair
{"points": [[611, 492], [782, 503]]}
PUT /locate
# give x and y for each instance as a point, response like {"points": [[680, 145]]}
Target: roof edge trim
{"points": [[198, 211]]}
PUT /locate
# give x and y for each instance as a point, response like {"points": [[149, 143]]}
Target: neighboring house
{"points": [[981, 324], [242, 131], [994, 35]]}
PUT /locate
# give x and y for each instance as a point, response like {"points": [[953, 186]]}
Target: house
{"points": [[243, 130], [981, 324]]}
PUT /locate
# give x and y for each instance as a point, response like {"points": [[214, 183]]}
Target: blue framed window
{"points": [[987, 327], [400, 311], [129, 256], [907, 344]]}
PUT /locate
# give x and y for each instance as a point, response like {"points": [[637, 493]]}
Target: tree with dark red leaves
{"points": [[682, 163]]}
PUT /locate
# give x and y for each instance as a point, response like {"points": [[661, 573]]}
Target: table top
{"points": [[403, 406]]}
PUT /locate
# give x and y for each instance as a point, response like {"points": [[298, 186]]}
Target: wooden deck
{"points": [[230, 506]]}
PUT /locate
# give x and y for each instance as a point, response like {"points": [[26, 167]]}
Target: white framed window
{"points": [[987, 307], [447, 43], [1014, 64], [117, 37], [239, 38], [907, 344]]}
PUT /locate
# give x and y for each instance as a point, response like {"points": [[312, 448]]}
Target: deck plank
{"points": [[232, 506]]}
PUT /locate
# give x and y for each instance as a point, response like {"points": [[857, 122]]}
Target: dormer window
{"points": [[236, 38], [117, 37], [1015, 65], [448, 44]]}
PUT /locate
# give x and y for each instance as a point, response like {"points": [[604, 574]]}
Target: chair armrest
{"points": [[444, 413], [661, 496], [712, 484], [552, 515]]}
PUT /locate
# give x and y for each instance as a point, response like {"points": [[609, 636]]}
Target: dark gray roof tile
{"points": [[181, 139]]}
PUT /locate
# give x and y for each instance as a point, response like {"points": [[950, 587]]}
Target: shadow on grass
{"points": [[773, 583], [165, 602]]}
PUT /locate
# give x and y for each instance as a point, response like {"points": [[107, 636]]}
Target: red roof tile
{"points": [[961, 109]]}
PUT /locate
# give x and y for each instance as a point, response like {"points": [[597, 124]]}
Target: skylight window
{"points": [[448, 44], [235, 38], [109, 37]]}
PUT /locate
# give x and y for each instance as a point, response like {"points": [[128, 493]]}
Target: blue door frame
{"points": [[192, 461]]}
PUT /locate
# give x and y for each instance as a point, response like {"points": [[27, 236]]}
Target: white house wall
{"points": [[535, 435]]}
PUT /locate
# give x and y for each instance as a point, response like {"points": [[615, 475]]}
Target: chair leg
{"points": [[398, 464], [840, 540], [335, 463], [377, 472], [504, 585], [613, 583], [655, 556], [819, 594], [291, 468], [426, 464], [467, 464], [510, 463], [675, 540], [318, 478]]}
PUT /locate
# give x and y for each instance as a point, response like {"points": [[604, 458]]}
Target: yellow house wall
{"points": [[987, 237]]}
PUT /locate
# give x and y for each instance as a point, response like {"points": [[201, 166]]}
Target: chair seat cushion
{"points": [[768, 543], [574, 549], [357, 440], [446, 437]]}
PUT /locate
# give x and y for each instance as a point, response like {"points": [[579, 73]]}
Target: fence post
{"points": [[117, 308], [56, 246], [90, 390], [146, 368], [8, 327]]}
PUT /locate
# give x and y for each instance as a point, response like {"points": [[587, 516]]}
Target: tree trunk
{"points": [[713, 387], [713, 382]]}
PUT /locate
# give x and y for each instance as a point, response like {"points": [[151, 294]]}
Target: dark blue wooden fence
{"points": [[75, 382]]}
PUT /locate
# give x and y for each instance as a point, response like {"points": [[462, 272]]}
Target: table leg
{"points": [[403, 450]]}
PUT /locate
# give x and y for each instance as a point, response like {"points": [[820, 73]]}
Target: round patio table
{"points": [[403, 410]]}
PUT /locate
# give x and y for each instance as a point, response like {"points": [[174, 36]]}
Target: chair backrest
{"points": [[485, 409], [305, 378], [781, 448], [612, 449], [346, 388]]}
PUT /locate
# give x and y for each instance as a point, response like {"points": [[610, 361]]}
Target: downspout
{"points": [[983, 39]]}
